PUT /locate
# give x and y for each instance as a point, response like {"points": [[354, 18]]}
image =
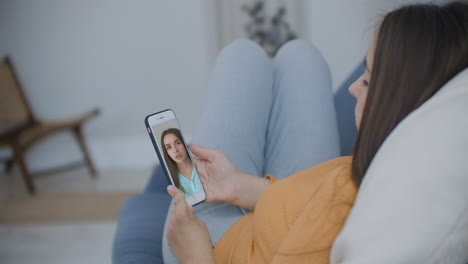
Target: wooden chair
{"points": [[19, 129]]}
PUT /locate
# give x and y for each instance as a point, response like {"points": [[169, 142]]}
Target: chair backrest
{"points": [[14, 108]]}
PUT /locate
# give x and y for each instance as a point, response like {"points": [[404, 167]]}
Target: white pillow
{"points": [[412, 206]]}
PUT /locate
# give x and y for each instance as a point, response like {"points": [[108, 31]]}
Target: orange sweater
{"points": [[295, 220]]}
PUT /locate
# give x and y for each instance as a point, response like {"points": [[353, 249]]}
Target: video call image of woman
{"points": [[181, 169]]}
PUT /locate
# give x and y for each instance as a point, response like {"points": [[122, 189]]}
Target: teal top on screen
{"points": [[191, 186]]}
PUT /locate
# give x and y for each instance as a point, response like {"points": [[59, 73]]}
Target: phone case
{"points": [[155, 146]]}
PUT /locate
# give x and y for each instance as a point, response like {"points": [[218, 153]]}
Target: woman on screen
{"points": [[181, 169]]}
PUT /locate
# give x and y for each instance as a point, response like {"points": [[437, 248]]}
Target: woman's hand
{"points": [[187, 236], [222, 181], [217, 174]]}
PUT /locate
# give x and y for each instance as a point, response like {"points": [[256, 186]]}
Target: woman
{"points": [[180, 165], [416, 50]]}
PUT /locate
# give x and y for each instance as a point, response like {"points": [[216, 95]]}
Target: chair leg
{"points": [[80, 138], [27, 177], [9, 165]]}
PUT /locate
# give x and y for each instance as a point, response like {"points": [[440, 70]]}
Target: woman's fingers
{"points": [[198, 164], [203, 153], [180, 206], [191, 213]]}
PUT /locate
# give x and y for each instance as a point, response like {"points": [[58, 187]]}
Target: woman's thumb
{"points": [[201, 152]]}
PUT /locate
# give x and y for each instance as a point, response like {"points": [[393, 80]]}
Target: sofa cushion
{"points": [[412, 206]]}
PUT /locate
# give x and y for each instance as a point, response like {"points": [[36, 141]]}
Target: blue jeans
{"points": [[268, 116]]}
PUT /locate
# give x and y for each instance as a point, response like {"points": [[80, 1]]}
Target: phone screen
{"points": [[179, 165]]}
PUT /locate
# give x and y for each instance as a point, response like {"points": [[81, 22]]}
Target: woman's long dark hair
{"points": [[173, 170], [419, 48]]}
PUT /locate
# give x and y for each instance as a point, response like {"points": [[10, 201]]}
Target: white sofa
{"points": [[412, 206]]}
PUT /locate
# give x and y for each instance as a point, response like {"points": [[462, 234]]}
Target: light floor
{"points": [[65, 243]]}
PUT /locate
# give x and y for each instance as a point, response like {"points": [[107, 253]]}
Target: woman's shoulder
{"points": [[295, 191], [337, 167], [315, 202], [331, 165], [305, 200]]}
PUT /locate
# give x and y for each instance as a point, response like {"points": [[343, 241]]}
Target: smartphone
{"points": [[174, 155]]}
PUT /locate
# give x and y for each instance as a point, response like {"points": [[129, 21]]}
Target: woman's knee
{"points": [[244, 53], [299, 50]]}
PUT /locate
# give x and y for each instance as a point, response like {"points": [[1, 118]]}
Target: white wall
{"points": [[343, 30], [129, 58]]}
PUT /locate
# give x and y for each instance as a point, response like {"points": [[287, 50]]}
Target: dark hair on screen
{"points": [[419, 48], [173, 170]]}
